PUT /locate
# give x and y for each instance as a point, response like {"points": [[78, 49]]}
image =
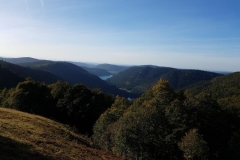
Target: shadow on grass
{"points": [[12, 150]]}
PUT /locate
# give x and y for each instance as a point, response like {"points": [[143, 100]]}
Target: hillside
{"points": [[219, 87], [75, 74], [25, 136], [42, 63], [50, 72], [160, 123], [7, 78], [11, 74], [37, 64], [138, 79]]}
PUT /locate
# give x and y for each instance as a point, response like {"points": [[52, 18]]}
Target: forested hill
{"points": [[41, 63], [50, 72], [225, 88], [7, 78], [138, 79], [75, 74], [11, 74], [165, 124]]}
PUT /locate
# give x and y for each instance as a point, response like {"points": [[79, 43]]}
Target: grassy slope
{"points": [[25, 136]]}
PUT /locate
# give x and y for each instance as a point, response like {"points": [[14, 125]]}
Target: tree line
{"points": [[75, 105], [164, 124], [161, 124]]}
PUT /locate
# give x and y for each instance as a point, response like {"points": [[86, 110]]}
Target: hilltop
{"points": [[139, 79], [26, 136], [19, 60]]}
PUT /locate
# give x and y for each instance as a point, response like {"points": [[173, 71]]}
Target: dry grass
{"points": [[26, 136]]}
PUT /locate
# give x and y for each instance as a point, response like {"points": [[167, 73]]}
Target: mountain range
{"points": [[49, 72], [127, 81]]}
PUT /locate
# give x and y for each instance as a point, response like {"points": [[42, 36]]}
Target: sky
{"points": [[189, 34]]}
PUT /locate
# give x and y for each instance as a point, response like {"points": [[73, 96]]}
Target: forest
{"points": [[138, 79], [200, 122]]}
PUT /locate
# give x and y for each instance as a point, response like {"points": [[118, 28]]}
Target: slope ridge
{"points": [[44, 138], [25, 72]]}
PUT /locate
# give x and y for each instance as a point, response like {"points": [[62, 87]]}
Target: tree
{"points": [[143, 130], [103, 128], [58, 89], [234, 146], [33, 97], [193, 145]]}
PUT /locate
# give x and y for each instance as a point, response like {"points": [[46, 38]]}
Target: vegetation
{"points": [[7, 78], [24, 136], [225, 89], [139, 79], [193, 146], [75, 105], [202, 122], [14, 73], [161, 122], [219, 87], [50, 72]]}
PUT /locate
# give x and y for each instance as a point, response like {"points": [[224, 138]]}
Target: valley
{"points": [[59, 110]]}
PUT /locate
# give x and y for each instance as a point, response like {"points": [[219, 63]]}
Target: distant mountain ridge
{"points": [[135, 79], [50, 72], [19, 60], [8, 79], [138, 79], [40, 63], [75, 74], [12, 74]]}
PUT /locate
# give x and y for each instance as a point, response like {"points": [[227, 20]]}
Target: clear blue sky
{"points": [[193, 34]]}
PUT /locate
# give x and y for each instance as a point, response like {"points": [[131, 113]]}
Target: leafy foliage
{"points": [[157, 125], [75, 105], [33, 97], [193, 145], [102, 135], [154, 125]]}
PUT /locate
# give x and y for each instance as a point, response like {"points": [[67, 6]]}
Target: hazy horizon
{"points": [[184, 34]]}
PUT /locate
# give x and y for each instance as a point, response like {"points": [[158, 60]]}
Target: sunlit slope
{"points": [[25, 136]]}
